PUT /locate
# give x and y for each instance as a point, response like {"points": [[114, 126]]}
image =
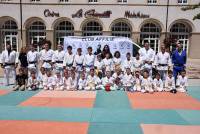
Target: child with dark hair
{"points": [[170, 83], [21, 80], [117, 60], [33, 83], [182, 82], [158, 83], [146, 83]]}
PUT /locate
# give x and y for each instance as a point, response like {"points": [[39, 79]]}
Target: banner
{"points": [[121, 44]]}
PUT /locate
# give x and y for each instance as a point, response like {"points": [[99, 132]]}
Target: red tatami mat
{"points": [[169, 129], [42, 127], [59, 102], [163, 100]]}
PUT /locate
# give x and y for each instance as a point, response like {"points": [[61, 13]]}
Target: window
{"points": [[182, 2], [92, 28], [9, 31], [63, 1], [92, 1], [151, 1], [122, 1], [181, 32], [36, 33], [151, 32], [64, 28], [121, 29]]}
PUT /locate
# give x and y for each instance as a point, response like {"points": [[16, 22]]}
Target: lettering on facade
{"points": [[129, 14], [92, 13], [48, 13]]}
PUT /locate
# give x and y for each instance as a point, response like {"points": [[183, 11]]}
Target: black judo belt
{"points": [[162, 65], [9, 64]]}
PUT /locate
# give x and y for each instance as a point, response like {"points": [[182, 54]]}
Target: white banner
{"points": [[121, 44]]}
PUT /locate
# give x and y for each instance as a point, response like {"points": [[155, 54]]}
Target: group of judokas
{"points": [[62, 70]]}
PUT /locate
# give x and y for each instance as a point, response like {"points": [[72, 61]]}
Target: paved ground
{"points": [[99, 112]]}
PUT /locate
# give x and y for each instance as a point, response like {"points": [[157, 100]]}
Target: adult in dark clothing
{"points": [[106, 49], [179, 58], [23, 57]]}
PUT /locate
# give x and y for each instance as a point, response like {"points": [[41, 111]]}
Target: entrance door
{"points": [[153, 42], [13, 40], [36, 40]]}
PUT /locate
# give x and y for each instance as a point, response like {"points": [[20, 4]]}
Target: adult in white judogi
{"points": [[33, 58], [9, 62], [46, 55], [58, 58], [163, 62], [147, 55], [68, 59], [89, 60]]}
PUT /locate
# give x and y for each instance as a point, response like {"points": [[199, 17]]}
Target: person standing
{"points": [[58, 58], [147, 55], [9, 62], [163, 62], [179, 58], [32, 58], [23, 58], [46, 55], [68, 59]]}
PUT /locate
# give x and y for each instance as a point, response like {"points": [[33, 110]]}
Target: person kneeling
{"points": [[158, 83], [49, 82], [146, 83], [33, 83]]}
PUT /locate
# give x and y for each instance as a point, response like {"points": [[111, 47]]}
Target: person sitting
{"points": [[182, 82], [158, 83], [33, 82], [21, 80], [146, 83]]}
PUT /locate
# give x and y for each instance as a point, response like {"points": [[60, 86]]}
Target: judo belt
{"points": [[47, 61], [59, 61], [32, 62], [162, 64], [79, 64], [70, 65], [89, 66], [9, 64]]}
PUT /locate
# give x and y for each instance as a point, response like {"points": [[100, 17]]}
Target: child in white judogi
{"points": [[128, 62], [89, 60], [107, 62], [98, 65], [67, 80], [46, 55], [169, 82], [118, 73], [58, 58], [163, 62], [68, 59], [107, 81], [146, 83], [74, 80], [137, 63], [59, 83], [93, 82], [33, 82], [182, 82], [158, 83], [41, 77], [147, 54], [117, 61], [138, 78], [128, 80], [32, 58], [9, 62], [78, 62], [82, 82], [49, 81]]}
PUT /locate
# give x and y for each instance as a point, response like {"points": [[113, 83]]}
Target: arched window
{"points": [[9, 33], [36, 33], [181, 32], [92, 28], [121, 29], [64, 28], [151, 32]]}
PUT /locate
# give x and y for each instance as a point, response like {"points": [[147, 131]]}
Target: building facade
{"points": [[30, 21]]}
